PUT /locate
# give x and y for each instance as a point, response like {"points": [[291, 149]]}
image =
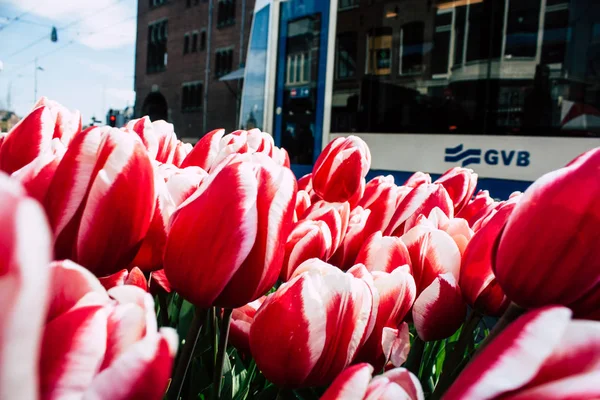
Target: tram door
{"points": [[300, 82]]}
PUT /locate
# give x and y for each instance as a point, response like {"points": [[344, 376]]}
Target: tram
{"points": [[510, 88]]}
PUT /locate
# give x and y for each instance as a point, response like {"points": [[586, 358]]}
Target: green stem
{"points": [[413, 364], [223, 337], [454, 358], [214, 330], [186, 355]]}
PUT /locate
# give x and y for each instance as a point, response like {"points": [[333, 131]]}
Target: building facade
{"points": [[184, 49]]}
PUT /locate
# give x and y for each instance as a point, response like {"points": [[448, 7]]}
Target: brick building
{"points": [[182, 52]]}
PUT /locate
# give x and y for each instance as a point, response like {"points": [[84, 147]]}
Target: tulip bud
{"points": [[335, 215], [417, 179], [341, 168], [477, 207], [345, 255], [330, 313], [237, 220], [145, 130], [421, 200], [383, 253], [381, 196], [241, 321], [477, 281], [548, 253], [101, 199], [134, 277], [460, 183], [309, 239], [356, 383], [302, 204], [542, 355], [25, 243], [435, 258], [204, 153]]}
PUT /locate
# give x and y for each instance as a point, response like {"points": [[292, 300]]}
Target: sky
{"points": [[91, 66]]}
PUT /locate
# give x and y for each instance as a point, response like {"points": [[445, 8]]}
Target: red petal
{"points": [[379, 253], [72, 351], [309, 239], [205, 151], [345, 255], [417, 179], [25, 249], [439, 310], [351, 384], [27, 139], [514, 357], [158, 279], [142, 372], [116, 279], [136, 277], [220, 223], [144, 129]]}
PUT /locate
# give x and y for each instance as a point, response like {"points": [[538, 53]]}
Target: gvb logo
{"points": [[518, 158]]}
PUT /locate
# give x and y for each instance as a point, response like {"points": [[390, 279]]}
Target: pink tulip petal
{"points": [[513, 358], [396, 344], [379, 253], [351, 384], [440, 309], [205, 151], [141, 372]]}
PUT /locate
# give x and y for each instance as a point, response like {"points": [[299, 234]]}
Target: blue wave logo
{"points": [[468, 157]]}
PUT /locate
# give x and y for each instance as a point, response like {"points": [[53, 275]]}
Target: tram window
{"points": [[411, 47], [440, 55], [379, 55], [522, 28], [346, 56], [556, 34]]}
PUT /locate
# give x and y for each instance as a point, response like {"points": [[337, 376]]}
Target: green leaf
{"points": [[185, 316]]}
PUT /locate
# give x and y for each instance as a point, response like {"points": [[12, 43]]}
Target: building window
{"points": [[485, 23], [223, 62], [346, 4], [346, 56], [202, 40], [156, 3], [411, 47], [226, 13], [194, 42], [522, 27], [379, 54], [440, 56], [556, 33], [186, 43], [191, 96], [297, 68], [157, 47]]}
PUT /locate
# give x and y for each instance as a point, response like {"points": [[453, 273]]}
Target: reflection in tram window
{"points": [[504, 67], [379, 55]]}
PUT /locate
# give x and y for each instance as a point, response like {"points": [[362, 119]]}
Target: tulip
{"points": [[101, 199], [309, 239], [181, 151], [477, 207], [457, 228], [417, 179], [37, 175], [396, 292], [347, 252], [33, 135], [331, 313], [173, 186], [341, 168], [134, 277], [421, 200], [381, 196], [25, 240], [383, 253], [477, 281], [302, 204], [250, 142], [237, 221], [460, 183], [305, 183], [145, 130], [335, 215], [542, 355], [204, 153], [100, 344], [356, 383], [548, 253], [241, 321], [439, 309]]}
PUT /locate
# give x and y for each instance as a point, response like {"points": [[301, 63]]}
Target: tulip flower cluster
{"points": [[114, 241]]}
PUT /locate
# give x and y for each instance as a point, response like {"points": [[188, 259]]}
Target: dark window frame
{"points": [[226, 12], [192, 95], [156, 54]]}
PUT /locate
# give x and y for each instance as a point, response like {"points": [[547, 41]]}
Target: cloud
{"points": [[102, 69], [99, 24]]}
